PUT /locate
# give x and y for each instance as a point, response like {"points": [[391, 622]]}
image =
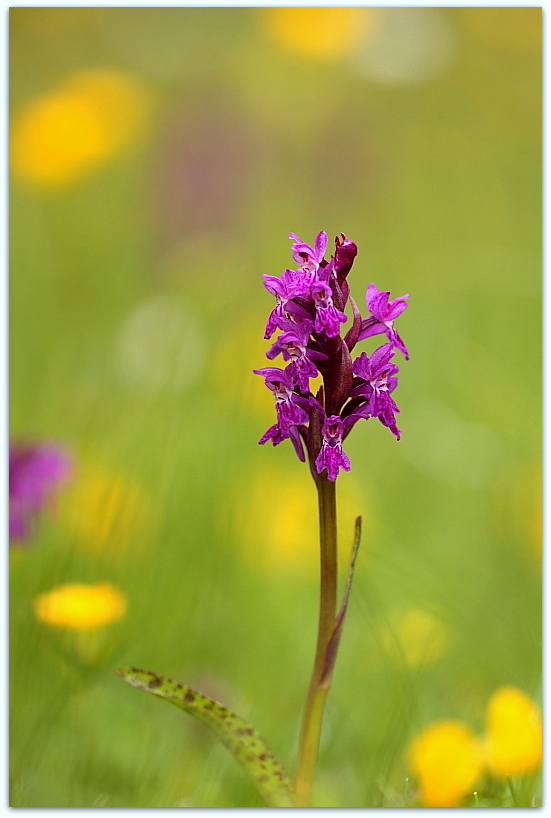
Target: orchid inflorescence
{"points": [[309, 311]]}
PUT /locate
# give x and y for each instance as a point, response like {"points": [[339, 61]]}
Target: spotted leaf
{"points": [[243, 741]]}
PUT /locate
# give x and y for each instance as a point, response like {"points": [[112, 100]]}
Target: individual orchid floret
{"points": [[308, 257], [376, 377], [36, 471], [289, 415], [331, 456], [291, 284], [328, 317], [292, 344], [382, 315]]}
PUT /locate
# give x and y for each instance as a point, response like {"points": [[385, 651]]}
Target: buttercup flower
{"points": [[513, 732], [309, 311], [446, 758], [78, 606], [36, 471]]}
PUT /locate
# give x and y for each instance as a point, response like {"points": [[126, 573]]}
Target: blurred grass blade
{"points": [[333, 646], [243, 741]]}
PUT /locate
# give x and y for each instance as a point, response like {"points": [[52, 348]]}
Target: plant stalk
{"points": [[317, 693]]}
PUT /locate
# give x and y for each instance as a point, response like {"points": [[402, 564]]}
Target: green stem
{"points": [[317, 693]]}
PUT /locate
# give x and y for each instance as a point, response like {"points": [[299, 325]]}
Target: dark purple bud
{"points": [[345, 253]]}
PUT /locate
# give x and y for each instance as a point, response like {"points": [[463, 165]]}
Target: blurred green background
{"points": [[159, 158]]}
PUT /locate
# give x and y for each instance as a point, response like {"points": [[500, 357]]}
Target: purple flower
{"points": [[376, 380], [382, 315], [292, 284], [292, 344], [328, 317], [309, 312], [308, 257], [289, 415], [331, 456], [36, 471]]}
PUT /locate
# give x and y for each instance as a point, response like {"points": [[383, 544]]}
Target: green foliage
{"points": [[243, 741], [211, 538]]}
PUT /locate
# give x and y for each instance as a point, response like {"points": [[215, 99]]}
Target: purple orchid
{"points": [[36, 471], [308, 257], [382, 315], [328, 317], [331, 456], [309, 311], [292, 344], [289, 414], [376, 380], [284, 289]]}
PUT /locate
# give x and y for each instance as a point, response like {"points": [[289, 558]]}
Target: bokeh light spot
{"points": [[62, 136], [282, 535], [409, 45], [319, 32], [415, 637], [107, 513], [160, 346]]}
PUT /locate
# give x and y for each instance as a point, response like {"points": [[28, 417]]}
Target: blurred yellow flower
{"points": [[446, 758], [320, 32], [107, 512], [415, 637], [238, 354], [78, 606], [57, 138], [513, 732], [282, 534]]}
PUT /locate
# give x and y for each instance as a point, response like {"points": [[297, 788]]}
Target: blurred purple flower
{"points": [[36, 471], [205, 165]]}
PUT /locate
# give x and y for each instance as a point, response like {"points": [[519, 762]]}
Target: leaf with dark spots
{"points": [[243, 741]]}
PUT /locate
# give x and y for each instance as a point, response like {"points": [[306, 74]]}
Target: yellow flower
{"points": [[513, 732], [446, 758], [415, 638], [59, 137], [78, 606], [319, 32], [282, 535], [107, 513]]}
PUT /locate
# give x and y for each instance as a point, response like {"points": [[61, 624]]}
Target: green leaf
{"points": [[334, 642], [243, 741]]}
